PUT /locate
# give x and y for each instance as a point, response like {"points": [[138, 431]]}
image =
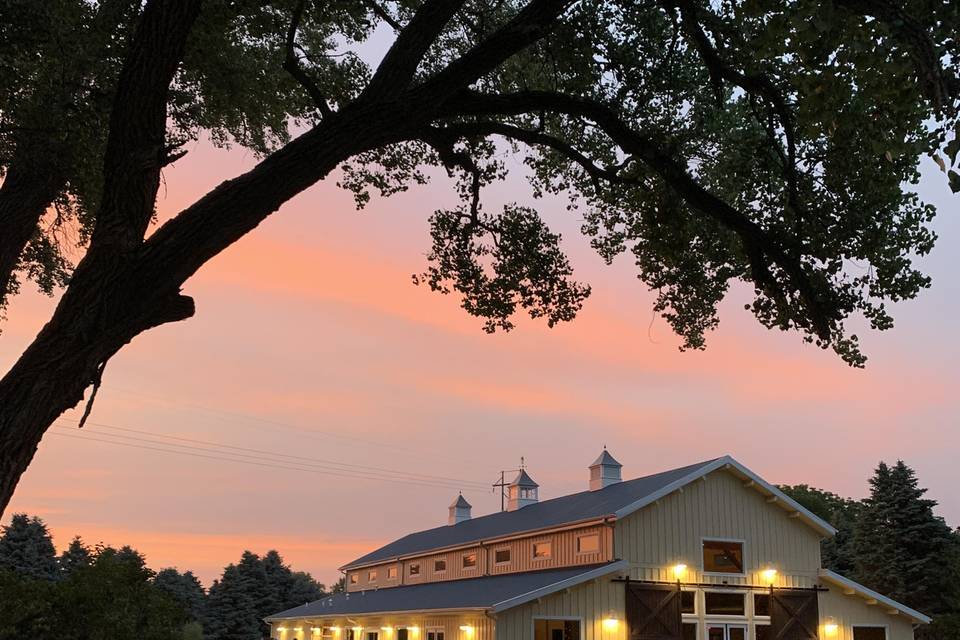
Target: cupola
{"points": [[604, 471], [521, 492], [459, 511]]}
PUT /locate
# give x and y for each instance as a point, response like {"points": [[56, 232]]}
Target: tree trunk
{"points": [[24, 197]]}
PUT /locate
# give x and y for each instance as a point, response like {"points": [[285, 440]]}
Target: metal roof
{"points": [[494, 593], [605, 459], [855, 588], [523, 480], [575, 507], [460, 502]]}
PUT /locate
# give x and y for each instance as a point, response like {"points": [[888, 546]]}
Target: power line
{"points": [[214, 454], [284, 457]]}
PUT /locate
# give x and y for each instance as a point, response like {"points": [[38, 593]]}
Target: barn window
{"points": [[469, 560], [542, 550], [761, 604], [371, 576], [501, 556], [688, 602], [439, 566], [434, 634], [391, 573], [415, 569], [589, 543], [722, 556], [372, 635], [724, 603], [869, 633], [403, 634], [354, 578], [556, 629]]}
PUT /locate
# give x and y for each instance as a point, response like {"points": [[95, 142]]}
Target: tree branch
{"points": [[291, 63]]}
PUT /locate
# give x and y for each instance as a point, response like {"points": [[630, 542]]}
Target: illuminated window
{"points": [[761, 604], [373, 635], [371, 576], [688, 602], [391, 573], [556, 630], [726, 632], [439, 566], [469, 560], [501, 556], [542, 550], [354, 578], [869, 633], [589, 543], [724, 603], [434, 634], [415, 569], [720, 556]]}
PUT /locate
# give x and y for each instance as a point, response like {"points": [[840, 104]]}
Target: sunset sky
{"points": [[353, 405]]}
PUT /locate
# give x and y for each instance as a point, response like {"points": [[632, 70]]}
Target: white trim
{"points": [[870, 594], [586, 576], [822, 526]]}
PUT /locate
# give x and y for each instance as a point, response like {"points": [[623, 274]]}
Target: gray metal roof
{"points": [[460, 502], [605, 459], [490, 592], [548, 513], [523, 480]]}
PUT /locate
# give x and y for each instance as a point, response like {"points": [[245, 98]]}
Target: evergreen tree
{"points": [[232, 608], [76, 555], [27, 548], [837, 552], [185, 588], [902, 549]]}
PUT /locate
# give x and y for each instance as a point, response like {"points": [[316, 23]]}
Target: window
{"points": [[724, 603], [726, 632], [542, 550], [501, 556], [761, 604], [589, 543], [371, 576], [402, 634], [556, 630], [689, 631], [761, 632], [439, 566], [869, 633], [434, 634], [354, 578], [391, 573], [469, 560], [373, 635], [350, 634], [415, 569], [720, 556], [688, 601]]}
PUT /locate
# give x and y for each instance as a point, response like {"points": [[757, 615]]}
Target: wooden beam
{"points": [[849, 592], [871, 601]]}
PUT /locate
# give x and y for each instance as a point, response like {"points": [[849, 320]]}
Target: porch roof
{"points": [[489, 593]]}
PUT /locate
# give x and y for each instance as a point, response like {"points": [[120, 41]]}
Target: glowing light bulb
{"points": [[610, 624], [679, 570], [769, 575]]}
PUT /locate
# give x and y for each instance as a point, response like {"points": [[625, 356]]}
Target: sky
{"points": [[321, 404]]}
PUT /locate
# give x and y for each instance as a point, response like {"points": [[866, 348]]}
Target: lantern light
{"points": [[610, 624], [830, 627], [769, 575], [467, 629], [679, 570]]}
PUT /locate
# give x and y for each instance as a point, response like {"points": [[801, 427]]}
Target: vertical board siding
{"points": [[564, 547], [591, 603], [662, 535], [848, 611]]}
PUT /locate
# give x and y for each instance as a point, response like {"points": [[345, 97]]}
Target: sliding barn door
{"points": [[794, 615], [653, 612]]}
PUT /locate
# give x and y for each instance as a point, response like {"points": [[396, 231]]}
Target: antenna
{"points": [[503, 484]]}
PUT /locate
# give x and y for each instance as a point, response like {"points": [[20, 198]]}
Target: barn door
{"points": [[794, 615], [653, 612]]}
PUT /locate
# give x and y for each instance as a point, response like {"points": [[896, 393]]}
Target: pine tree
{"points": [[27, 548], [185, 588], [75, 556], [232, 608], [902, 549]]}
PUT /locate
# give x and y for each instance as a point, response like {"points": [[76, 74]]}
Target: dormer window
{"points": [[371, 576], [439, 566], [723, 556], [415, 569], [542, 550], [469, 560], [501, 556], [391, 573], [354, 578]]}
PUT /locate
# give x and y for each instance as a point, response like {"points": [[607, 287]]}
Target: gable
{"points": [[719, 505]]}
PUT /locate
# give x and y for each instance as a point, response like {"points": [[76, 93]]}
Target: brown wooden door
{"points": [[653, 612], [794, 615]]}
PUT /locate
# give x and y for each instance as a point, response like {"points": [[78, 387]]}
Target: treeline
{"points": [[893, 543], [103, 592]]}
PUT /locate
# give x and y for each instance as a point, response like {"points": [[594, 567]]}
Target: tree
{"points": [[837, 552], [27, 548], [905, 551], [252, 589], [184, 588], [74, 556], [772, 144]]}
